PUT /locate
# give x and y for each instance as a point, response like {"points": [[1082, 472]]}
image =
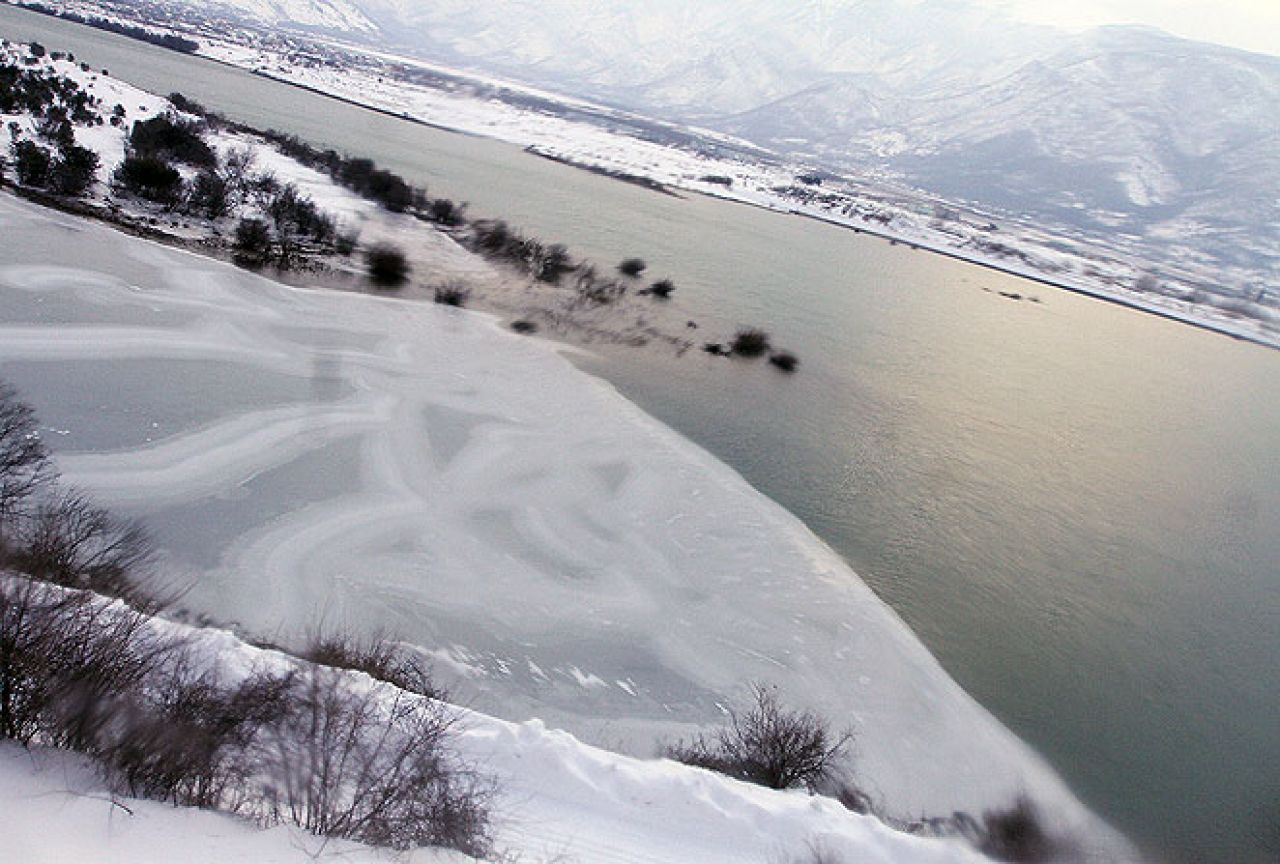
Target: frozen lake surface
{"points": [[416, 470]]}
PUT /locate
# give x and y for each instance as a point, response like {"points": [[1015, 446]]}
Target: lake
{"points": [[1075, 506]]}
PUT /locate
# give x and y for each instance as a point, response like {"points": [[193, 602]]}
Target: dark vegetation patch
{"points": [[452, 294], [387, 265], [785, 360], [662, 289], [632, 266], [150, 178], [172, 138], [750, 342]]}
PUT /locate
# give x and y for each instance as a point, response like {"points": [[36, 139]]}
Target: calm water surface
{"points": [[1077, 507]]}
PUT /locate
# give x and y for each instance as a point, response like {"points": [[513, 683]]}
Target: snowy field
{"points": [[320, 458]]}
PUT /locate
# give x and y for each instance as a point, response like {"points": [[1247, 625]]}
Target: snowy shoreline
{"points": [[672, 168]]}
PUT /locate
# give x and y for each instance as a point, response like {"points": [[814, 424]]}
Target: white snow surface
{"points": [[556, 799], [391, 466]]}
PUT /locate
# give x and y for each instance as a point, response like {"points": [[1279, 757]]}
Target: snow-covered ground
{"points": [[557, 799], [387, 465]]}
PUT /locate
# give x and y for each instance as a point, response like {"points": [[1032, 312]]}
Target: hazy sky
{"points": [[1250, 24]]}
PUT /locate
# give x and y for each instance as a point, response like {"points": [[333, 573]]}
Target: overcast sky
{"points": [[1250, 24]]}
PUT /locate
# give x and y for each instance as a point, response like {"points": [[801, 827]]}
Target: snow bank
{"points": [[474, 495], [53, 810]]}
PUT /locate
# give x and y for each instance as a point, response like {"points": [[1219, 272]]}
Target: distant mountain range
{"points": [[1116, 129]]}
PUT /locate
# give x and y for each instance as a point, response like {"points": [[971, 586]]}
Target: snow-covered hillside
{"points": [[557, 799]]}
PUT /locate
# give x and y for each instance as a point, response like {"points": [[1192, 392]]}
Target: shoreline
{"points": [[914, 244]]}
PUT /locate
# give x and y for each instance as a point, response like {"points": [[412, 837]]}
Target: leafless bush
{"points": [[768, 745], [188, 740], [24, 461], [376, 768], [452, 293], [71, 542], [69, 663], [377, 658]]}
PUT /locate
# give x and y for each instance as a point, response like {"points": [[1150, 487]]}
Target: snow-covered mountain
{"points": [[1120, 128]]}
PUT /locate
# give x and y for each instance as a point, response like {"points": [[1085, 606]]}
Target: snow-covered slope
{"points": [[556, 799]]}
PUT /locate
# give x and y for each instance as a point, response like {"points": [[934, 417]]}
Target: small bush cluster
{"points": [[452, 294], [44, 94], [58, 105], [361, 176], [150, 178], [496, 240], [769, 745]]}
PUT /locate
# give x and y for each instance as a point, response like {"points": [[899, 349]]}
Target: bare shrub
{"points": [[768, 745], [189, 741], [380, 659], [71, 542], [68, 663], [750, 342], [24, 460], [372, 767], [452, 294], [551, 264]]}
